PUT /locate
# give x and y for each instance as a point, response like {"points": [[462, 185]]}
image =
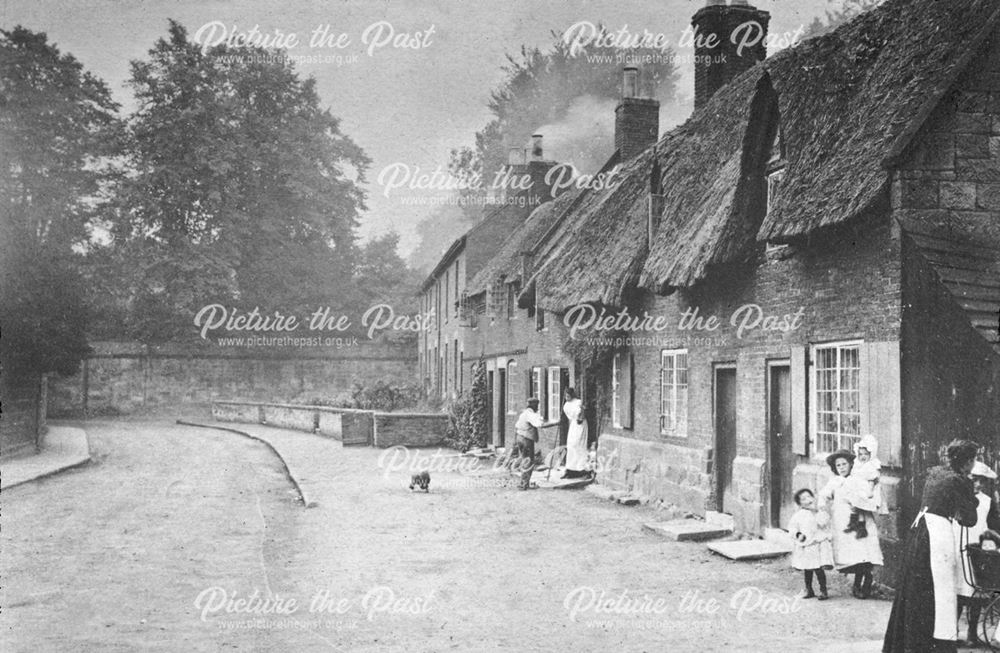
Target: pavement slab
{"points": [[63, 448], [749, 549], [681, 530]]}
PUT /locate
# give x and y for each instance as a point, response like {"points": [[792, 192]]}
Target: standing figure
{"points": [[526, 427], [811, 552], [851, 554], [576, 438], [923, 616], [987, 518]]}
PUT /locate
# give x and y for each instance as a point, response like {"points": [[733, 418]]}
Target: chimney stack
{"points": [[716, 66], [637, 119], [536, 147]]}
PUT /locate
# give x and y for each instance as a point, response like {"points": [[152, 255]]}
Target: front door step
{"points": [[687, 530], [750, 549]]}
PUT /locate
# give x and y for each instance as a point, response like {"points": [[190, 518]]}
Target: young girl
{"points": [[863, 481], [812, 552]]}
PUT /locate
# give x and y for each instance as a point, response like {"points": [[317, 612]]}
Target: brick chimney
{"points": [[637, 119], [531, 162], [716, 66]]}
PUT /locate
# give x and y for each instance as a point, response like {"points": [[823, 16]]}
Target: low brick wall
{"points": [[658, 470], [409, 429], [349, 425]]}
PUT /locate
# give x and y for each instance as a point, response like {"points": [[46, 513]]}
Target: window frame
{"points": [[678, 427], [553, 399], [816, 439], [513, 398]]}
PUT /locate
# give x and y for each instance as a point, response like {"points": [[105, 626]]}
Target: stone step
{"points": [[687, 530], [720, 519], [749, 549], [604, 492]]}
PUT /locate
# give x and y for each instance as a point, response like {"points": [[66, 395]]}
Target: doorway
{"points": [[779, 436], [501, 405], [489, 406], [725, 436]]}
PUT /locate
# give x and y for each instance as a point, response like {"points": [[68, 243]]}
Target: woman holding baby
{"points": [[852, 502]]}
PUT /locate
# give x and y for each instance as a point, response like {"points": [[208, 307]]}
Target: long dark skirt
{"points": [[911, 622]]}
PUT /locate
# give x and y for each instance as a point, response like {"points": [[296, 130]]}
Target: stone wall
{"points": [[124, 377], [22, 420]]}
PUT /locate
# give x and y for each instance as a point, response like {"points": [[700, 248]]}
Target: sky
{"points": [[408, 79]]}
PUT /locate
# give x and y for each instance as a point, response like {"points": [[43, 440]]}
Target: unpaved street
{"points": [[114, 557]]}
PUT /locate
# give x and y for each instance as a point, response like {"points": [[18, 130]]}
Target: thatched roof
{"points": [[853, 99], [524, 240], [709, 173], [849, 102]]}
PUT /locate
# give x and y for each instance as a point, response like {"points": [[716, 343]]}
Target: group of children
{"points": [[812, 551]]}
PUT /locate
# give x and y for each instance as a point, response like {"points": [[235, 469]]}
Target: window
{"points": [[456, 291], [621, 390], [513, 398], [837, 396], [444, 371], [775, 168], [538, 387], [454, 357], [447, 282], [673, 392], [511, 300], [539, 318], [554, 392]]}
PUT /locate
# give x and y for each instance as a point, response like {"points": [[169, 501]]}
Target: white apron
{"points": [[941, 539], [576, 438], [982, 512]]}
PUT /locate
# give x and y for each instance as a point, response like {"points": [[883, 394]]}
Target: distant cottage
{"points": [[842, 195]]}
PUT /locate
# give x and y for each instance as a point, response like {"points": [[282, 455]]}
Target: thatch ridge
{"points": [[851, 99]]}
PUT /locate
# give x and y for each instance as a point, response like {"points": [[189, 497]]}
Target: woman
{"points": [[851, 554], [923, 613], [987, 519], [576, 438]]}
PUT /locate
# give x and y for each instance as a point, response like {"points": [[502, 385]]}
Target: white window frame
{"points": [[616, 368], [513, 399], [818, 443], [554, 393], [674, 423], [537, 382]]}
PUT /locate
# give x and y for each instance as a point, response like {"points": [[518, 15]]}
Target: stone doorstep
{"points": [[720, 519], [687, 530], [749, 549]]}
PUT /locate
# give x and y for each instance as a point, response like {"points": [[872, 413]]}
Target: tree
{"points": [[57, 125], [243, 189], [385, 276]]}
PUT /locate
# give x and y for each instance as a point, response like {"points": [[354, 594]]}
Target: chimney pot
{"points": [[630, 82], [536, 147], [516, 156]]}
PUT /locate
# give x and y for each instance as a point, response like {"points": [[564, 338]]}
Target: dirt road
{"points": [[185, 539]]}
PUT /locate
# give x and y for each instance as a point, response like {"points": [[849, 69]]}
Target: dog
{"points": [[421, 481]]}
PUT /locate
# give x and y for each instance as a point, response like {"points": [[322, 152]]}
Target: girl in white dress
{"points": [[811, 552]]}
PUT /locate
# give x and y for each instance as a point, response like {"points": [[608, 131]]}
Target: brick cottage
{"points": [[816, 256]]}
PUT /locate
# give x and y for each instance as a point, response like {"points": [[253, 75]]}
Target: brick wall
{"points": [[848, 285], [411, 430], [126, 377], [503, 340]]}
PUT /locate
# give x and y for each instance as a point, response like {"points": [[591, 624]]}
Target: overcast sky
{"points": [[402, 105]]}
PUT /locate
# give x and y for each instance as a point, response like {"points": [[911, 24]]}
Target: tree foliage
{"points": [[846, 10], [242, 187], [57, 125]]}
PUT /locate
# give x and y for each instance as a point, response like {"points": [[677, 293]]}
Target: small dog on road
{"points": [[421, 481]]}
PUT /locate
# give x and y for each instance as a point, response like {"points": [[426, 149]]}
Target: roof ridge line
{"points": [[934, 99]]}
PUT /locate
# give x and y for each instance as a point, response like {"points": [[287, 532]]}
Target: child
{"points": [[812, 552], [864, 482]]}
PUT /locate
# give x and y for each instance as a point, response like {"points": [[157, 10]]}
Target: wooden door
{"points": [[781, 456], [725, 436], [501, 406]]}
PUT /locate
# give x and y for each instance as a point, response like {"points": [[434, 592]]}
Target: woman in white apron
{"points": [[923, 613], [576, 437], [986, 518]]}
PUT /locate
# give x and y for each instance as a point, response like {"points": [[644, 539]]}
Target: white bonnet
{"points": [[868, 442]]}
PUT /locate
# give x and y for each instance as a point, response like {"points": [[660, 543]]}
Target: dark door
{"points": [[489, 406], [501, 405], [779, 401], [563, 422], [725, 436]]}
